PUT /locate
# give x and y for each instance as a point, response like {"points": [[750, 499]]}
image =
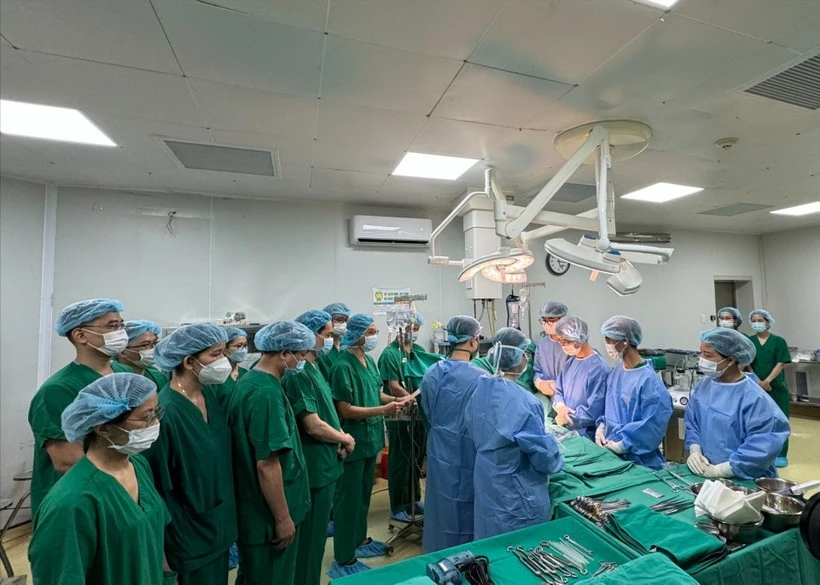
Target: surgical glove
{"points": [[616, 447], [600, 438], [562, 418], [696, 461], [720, 470]]}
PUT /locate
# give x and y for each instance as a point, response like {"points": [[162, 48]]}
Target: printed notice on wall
{"points": [[382, 297]]}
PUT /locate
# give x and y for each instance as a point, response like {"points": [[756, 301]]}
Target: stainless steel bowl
{"points": [[695, 488], [774, 485], [745, 533], [782, 512]]}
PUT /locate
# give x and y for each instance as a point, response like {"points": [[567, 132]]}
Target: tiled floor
{"points": [[804, 459]]}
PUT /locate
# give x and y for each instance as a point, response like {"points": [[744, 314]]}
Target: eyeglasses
{"points": [[107, 326], [550, 319], [155, 416], [143, 346]]}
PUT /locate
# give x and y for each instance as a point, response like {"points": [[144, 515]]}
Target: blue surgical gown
{"points": [[637, 412], [581, 385], [738, 423], [549, 359], [514, 458], [445, 390]]}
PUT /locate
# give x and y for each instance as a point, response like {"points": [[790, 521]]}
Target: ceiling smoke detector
{"points": [[725, 143]]}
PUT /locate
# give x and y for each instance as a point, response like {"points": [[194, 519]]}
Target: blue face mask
{"points": [[759, 326], [300, 367], [414, 337], [239, 355], [328, 345], [370, 342]]}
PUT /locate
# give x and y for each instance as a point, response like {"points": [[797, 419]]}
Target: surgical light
{"points": [[661, 192], [49, 123], [505, 260], [805, 209], [433, 166]]}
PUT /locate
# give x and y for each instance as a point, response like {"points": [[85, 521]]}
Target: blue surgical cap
{"points": [[138, 327], [620, 327], [763, 313], [82, 312], [462, 328], [730, 343], [514, 343], [337, 309], [185, 341], [734, 313], [419, 318], [285, 336], [314, 319], [356, 328], [572, 328], [103, 400], [553, 309], [235, 333]]}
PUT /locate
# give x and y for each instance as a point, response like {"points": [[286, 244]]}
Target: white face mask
{"points": [[614, 353], [326, 347], [571, 350], [146, 358], [710, 368], [339, 329], [138, 440], [549, 328], [114, 342], [215, 372], [414, 337], [370, 342], [727, 323]]}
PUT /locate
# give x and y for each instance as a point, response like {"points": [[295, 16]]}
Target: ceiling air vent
{"points": [[225, 159], [798, 85], [735, 209]]}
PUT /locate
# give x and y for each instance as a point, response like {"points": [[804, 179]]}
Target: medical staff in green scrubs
{"points": [[272, 490], [237, 352], [102, 524], [772, 356], [356, 386], [191, 460], [95, 329], [402, 365], [139, 355], [323, 443], [340, 314]]}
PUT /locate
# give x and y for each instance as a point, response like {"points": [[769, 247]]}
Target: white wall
{"points": [[673, 298], [791, 261], [21, 249]]}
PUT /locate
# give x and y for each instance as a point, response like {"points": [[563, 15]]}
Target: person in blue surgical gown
{"points": [[445, 390], [549, 358], [638, 405], [580, 391], [733, 427], [515, 455]]}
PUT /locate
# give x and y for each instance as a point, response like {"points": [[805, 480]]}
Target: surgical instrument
{"points": [[605, 568], [678, 477], [568, 538], [674, 487]]}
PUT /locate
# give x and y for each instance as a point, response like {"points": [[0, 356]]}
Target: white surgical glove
{"points": [[720, 470], [615, 447], [600, 437], [696, 461]]}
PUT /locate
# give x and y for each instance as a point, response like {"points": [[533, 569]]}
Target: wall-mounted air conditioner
{"points": [[407, 232]]}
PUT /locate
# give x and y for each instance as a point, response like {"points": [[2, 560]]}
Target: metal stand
{"points": [[416, 524]]}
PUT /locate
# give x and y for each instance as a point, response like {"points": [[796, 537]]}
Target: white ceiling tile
{"points": [[382, 77], [415, 190], [670, 57], [759, 18], [222, 45], [351, 157], [446, 29], [481, 94], [543, 39], [97, 88], [463, 139], [330, 179], [122, 33], [230, 107], [341, 122], [803, 37], [292, 151], [582, 105], [310, 14]]}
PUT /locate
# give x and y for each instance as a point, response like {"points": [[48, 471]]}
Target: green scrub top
{"points": [[308, 393], [192, 466], [45, 418], [351, 382], [524, 380], [397, 365], [262, 424], [159, 378], [771, 353], [89, 530], [327, 361], [225, 389]]}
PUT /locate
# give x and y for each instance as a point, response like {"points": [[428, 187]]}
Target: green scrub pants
{"points": [[214, 573], [313, 536], [408, 444], [781, 397], [261, 564], [351, 508]]}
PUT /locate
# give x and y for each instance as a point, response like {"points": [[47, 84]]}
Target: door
{"points": [[725, 294]]}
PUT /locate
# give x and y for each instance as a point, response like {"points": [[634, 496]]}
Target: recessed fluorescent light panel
{"points": [[49, 123], [660, 3], [433, 166], [806, 209], [661, 192]]}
